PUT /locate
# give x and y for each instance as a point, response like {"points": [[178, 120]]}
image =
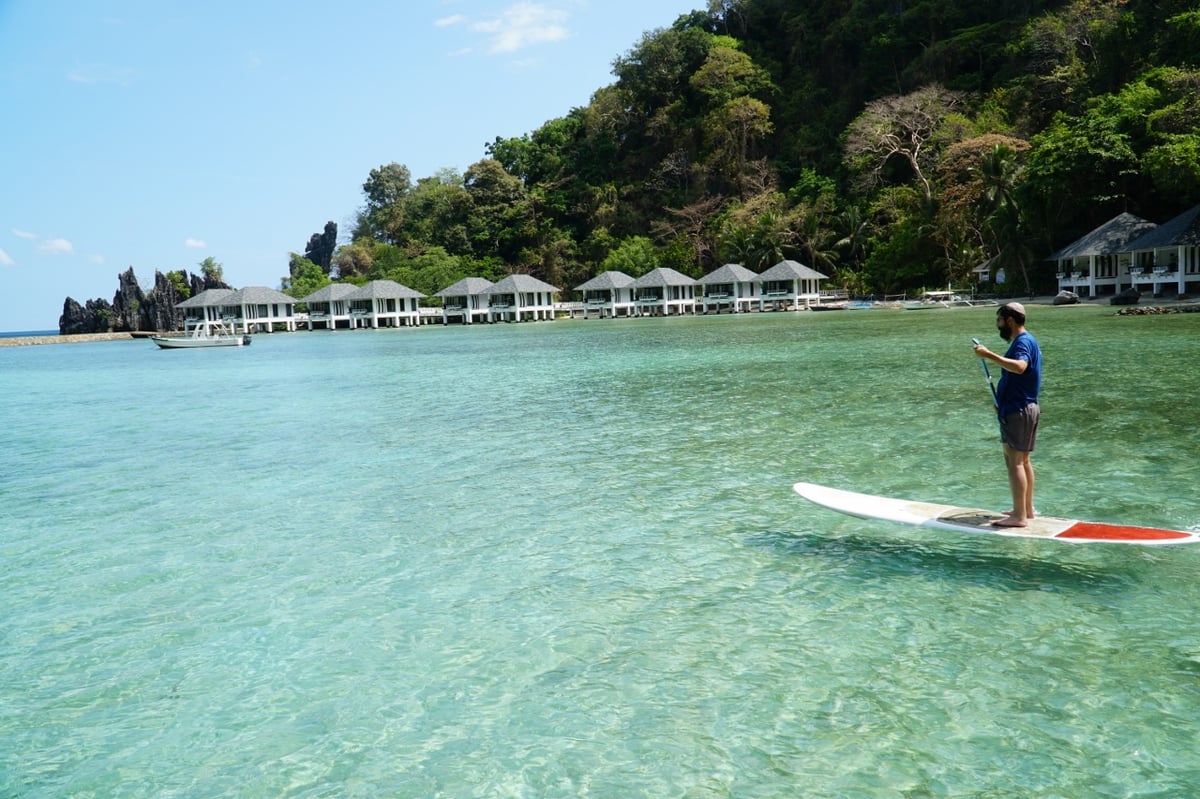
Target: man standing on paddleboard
{"points": [[1017, 407]]}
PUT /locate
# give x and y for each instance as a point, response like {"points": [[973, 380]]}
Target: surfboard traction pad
{"points": [[1050, 526], [982, 519]]}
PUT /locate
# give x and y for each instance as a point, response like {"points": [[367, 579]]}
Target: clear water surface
{"points": [[564, 560]]}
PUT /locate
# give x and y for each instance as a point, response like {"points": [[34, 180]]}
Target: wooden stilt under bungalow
{"points": [[466, 300], [608, 294], [663, 292], [731, 286], [329, 307], [384, 303], [520, 297], [787, 284]]}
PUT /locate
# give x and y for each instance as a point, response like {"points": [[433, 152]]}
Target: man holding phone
{"points": [[1017, 407]]}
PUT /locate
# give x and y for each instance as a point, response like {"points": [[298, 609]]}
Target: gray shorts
{"points": [[1018, 430]]}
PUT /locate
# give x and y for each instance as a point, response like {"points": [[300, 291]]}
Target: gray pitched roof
{"points": [[260, 295], [384, 290], [1108, 239], [791, 270], [209, 298], [467, 287], [662, 276], [730, 273], [606, 280], [515, 284], [1183, 230], [334, 291]]}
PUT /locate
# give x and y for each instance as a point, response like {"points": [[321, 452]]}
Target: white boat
{"points": [[215, 334], [945, 299]]}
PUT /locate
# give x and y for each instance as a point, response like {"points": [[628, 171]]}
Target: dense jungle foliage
{"points": [[890, 144]]}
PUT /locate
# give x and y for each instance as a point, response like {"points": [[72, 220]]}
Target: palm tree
{"points": [[1000, 172]]}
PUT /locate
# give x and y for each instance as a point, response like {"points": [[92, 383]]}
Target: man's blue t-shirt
{"points": [[1018, 390]]}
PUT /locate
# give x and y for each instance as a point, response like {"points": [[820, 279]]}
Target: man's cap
{"points": [[1015, 307]]}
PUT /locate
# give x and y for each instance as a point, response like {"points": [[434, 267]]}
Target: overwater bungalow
{"points": [[329, 307], [608, 294], [254, 309], [384, 303], [663, 291], [1168, 257], [1099, 263], [519, 297], [788, 283], [465, 300], [733, 286]]}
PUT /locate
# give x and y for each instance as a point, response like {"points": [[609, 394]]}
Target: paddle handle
{"points": [[987, 375]]}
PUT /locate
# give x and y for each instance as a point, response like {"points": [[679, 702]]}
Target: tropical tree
{"points": [[212, 271], [1000, 173], [903, 128], [635, 256], [385, 190]]}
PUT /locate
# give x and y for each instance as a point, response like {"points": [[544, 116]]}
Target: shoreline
{"points": [[1158, 307], [78, 338]]}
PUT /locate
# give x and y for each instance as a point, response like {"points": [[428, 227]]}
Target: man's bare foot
{"points": [[1009, 521], [1030, 516]]}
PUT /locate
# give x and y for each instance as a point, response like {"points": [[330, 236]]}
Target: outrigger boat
{"points": [[213, 334]]}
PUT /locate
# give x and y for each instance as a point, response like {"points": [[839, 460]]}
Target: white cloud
{"points": [[96, 259], [5, 260], [23, 234], [56, 247], [446, 22], [194, 244], [522, 25]]}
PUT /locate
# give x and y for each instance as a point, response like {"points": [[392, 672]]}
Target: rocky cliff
{"points": [[131, 309]]}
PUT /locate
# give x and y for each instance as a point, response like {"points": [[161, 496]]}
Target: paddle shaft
{"points": [[987, 374]]}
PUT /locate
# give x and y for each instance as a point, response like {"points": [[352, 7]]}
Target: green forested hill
{"points": [[890, 144]]}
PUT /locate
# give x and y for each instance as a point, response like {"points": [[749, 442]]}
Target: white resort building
{"points": [[384, 303], [465, 300], [733, 286], [789, 283], [1127, 251], [254, 309], [663, 292], [329, 307], [518, 297], [608, 294]]}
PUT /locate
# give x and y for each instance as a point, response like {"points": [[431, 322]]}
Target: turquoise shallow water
{"points": [[564, 560]]}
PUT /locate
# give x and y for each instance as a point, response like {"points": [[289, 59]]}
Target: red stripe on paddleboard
{"points": [[1119, 532]]}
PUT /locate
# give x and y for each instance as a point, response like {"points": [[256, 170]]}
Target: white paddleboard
{"points": [[971, 520]]}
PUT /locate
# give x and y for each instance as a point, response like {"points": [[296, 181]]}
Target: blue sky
{"points": [[154, 133]]}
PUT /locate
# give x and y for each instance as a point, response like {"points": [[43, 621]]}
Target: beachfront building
{"points": [[1167, 258], [262, 308], [518, 297], [329, 307], [465, 300], [788, 284], [254, 309], [608, 294], [732, 286], [663, 291], [207, 310], [1099, 263], [384, 303]]}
